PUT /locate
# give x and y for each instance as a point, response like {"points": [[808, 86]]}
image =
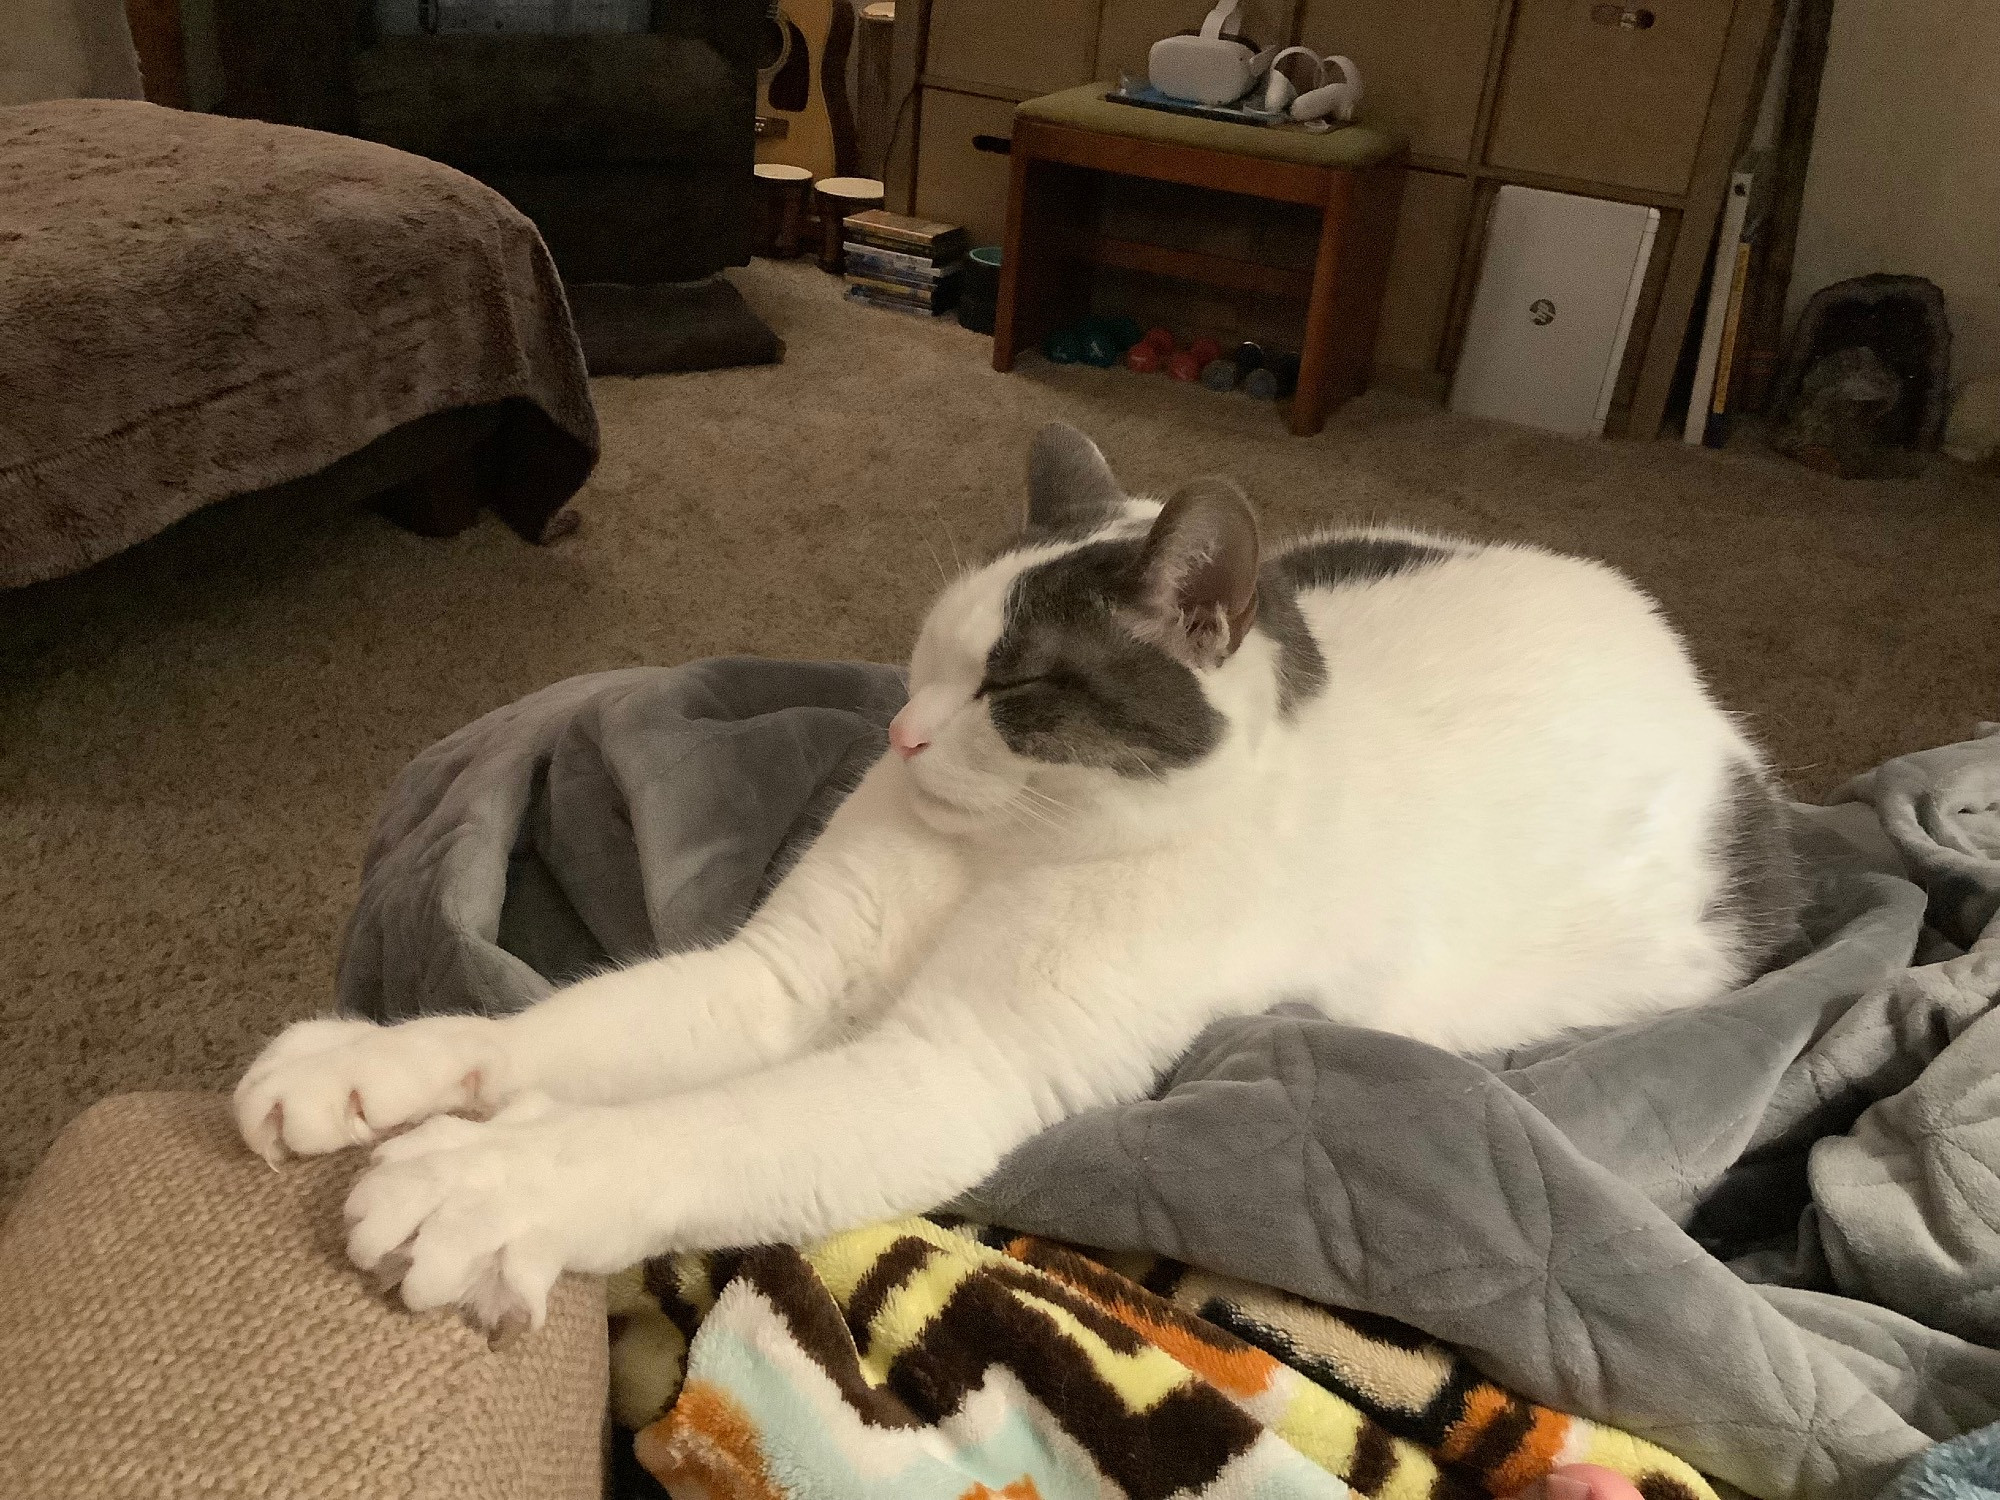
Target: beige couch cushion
{"points": [[177, 1320]]}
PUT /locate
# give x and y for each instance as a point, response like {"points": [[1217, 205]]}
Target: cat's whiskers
{"points": [[1139, 763], [1018, 817], [950, 540], [1022, 821], [944, 578], [1048, 800], [1039, 815], [1023, 807]]}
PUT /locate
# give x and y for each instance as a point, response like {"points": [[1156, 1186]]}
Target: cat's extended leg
{"points": [[838, 931], [485, 1216]]}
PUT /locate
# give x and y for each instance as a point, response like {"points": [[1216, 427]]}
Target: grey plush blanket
{"points": [[1765, 1234]]}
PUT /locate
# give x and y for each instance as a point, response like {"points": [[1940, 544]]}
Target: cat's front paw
{"points": [[485, 1216], [325, 1085]]}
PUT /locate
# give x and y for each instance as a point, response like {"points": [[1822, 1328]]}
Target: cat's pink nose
{"points": [[903, 740]]}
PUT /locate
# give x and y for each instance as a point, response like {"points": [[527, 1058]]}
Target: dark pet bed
{"points": [[655, 330]]}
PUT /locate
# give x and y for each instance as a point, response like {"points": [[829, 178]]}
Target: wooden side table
{"points": [[1064, 143]]}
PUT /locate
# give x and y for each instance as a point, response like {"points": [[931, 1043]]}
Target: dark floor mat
{"points": [[653, 330]]}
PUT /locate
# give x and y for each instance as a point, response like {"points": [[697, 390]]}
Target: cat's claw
{"points": [[266, 1136], [388, 1272], [492, 1308], [326, 1085], [477, 1216]]}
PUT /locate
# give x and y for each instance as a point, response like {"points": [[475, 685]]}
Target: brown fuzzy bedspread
{"points": [[194, 307]]}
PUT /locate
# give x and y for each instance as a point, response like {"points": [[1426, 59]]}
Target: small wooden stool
{"points": [[1352, 174]]}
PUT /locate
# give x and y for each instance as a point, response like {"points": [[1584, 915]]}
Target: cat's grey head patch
{"points": [[1096, 662]]}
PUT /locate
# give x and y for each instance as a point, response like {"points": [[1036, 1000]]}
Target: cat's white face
{"points": [[962, 771], [1073, 670]]}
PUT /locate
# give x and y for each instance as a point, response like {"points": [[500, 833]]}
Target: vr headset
{"points": [[1214, 67], [1217, 66]]}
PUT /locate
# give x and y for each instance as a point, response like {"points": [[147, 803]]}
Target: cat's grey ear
{"points": [[1071, 491], [1198, 573]]}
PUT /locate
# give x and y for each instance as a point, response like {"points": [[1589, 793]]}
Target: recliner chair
{"points": [[632, 154]]}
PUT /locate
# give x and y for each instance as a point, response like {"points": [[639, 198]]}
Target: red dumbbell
{"points": [[1205, 350], [1142, 358], [1184, 366], [1161, 339]]}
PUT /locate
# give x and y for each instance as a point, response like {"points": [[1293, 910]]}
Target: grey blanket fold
{"points": [[1765, 1234]]}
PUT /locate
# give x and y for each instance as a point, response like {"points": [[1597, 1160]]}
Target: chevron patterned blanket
{"points": [[930, 1358]]}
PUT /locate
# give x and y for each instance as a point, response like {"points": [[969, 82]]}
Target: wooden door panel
{"points": [[1027, 47], [957, 182], [1585, 96], [1422, 65]]}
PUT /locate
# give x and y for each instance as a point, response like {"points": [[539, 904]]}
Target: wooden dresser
{"points": [[1644, 101]]}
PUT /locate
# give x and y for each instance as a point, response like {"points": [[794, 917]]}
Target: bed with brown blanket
{"points": [[194, 308]]}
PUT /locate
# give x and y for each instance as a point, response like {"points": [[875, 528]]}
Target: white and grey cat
{"points": [[1147, 776]]}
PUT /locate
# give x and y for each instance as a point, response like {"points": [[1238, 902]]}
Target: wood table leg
{"points": [[1317, 354], [1041, 286], [1350, 274], [1013, 250]]}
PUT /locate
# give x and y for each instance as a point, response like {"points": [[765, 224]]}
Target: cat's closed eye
{"points": [[1057, 678], [990, 688]]}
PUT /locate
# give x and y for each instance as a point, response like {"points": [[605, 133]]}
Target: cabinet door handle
{"points": [[1624, 17], [998, 145]]}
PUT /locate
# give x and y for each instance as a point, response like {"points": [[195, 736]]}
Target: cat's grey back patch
{"points": [[1332, 561], [1760, 892], [1301, 664], [1327, 562]]}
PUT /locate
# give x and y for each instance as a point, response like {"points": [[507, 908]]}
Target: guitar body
{"points": [[803, 118]]}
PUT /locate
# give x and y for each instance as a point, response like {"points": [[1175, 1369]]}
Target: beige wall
{"points": [[66, 49], [1905, 173]]}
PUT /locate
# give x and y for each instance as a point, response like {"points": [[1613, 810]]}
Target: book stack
{"points": [[907, 265]]}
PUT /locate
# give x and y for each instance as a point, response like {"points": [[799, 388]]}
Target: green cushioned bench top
{"points": [[1086, 108]]}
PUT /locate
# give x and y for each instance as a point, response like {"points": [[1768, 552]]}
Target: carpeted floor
{"points": [[193, 737]]}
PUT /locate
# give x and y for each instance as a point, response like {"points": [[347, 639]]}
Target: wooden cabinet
{"points": [[961, 179], [1632, 99], [1423, 66], [1637, 123], [1024, 47]]}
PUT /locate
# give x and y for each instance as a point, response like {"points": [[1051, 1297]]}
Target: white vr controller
{"points": [[1216, 67], [1324, 100]]}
